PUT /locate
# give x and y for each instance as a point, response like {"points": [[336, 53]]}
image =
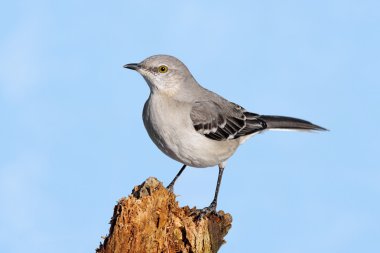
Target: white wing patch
{"points": [[224, 123]]}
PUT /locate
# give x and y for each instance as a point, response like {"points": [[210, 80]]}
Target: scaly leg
{"points": [[171, 185], [212, 207]]}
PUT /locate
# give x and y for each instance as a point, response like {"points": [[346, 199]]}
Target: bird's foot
{"points": [[207, 211], [170, 188], [210, 209]]}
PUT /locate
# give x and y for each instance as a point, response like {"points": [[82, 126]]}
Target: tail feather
{"points": [[288, 123]]}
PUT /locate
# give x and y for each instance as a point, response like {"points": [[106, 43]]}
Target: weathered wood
{"points": [[150, 220]]}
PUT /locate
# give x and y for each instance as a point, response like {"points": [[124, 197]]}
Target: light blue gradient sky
{"points": [[73, 142]]}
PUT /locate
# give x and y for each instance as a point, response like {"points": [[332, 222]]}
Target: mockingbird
{"points": [[195, 126]]}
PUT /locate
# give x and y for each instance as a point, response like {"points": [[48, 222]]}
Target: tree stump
{"points": [[150, 220]]}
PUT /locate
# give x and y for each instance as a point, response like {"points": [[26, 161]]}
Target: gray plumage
{"points": [[195, 126]]}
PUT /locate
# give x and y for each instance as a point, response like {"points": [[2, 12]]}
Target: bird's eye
{"points": [[163, 69]]}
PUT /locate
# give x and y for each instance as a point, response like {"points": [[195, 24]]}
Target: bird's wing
{"points": [[224, 121]]}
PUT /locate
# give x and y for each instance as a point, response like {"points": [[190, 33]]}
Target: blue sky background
{"points": [[72, 141]]}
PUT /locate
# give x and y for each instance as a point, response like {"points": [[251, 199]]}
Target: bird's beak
{"points": [[133, 66]]}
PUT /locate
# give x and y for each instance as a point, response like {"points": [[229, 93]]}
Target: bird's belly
{"points": [[176, 137], [193, 149]]}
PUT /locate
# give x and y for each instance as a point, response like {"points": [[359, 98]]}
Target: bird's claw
{"points": [[170, 188], [210, 209], [201, 213]]}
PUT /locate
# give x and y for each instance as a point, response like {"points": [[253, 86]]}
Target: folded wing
{"points": [[224, 121]]}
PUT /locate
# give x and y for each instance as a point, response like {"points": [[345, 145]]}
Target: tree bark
{"points": [[150, 220]]}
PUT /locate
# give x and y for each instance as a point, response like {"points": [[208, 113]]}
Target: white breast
{"points": [[169, 126]]}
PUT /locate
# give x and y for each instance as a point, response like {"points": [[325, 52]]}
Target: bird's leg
{"points": [[171, 185], [212, 207]]}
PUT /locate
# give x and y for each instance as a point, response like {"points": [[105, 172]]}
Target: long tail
{"points": [[288, 123]]}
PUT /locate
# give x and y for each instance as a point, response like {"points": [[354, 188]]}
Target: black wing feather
{"points": [[220, 124]]}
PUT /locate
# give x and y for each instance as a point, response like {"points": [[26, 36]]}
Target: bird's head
{"points": [[163, 73]]}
